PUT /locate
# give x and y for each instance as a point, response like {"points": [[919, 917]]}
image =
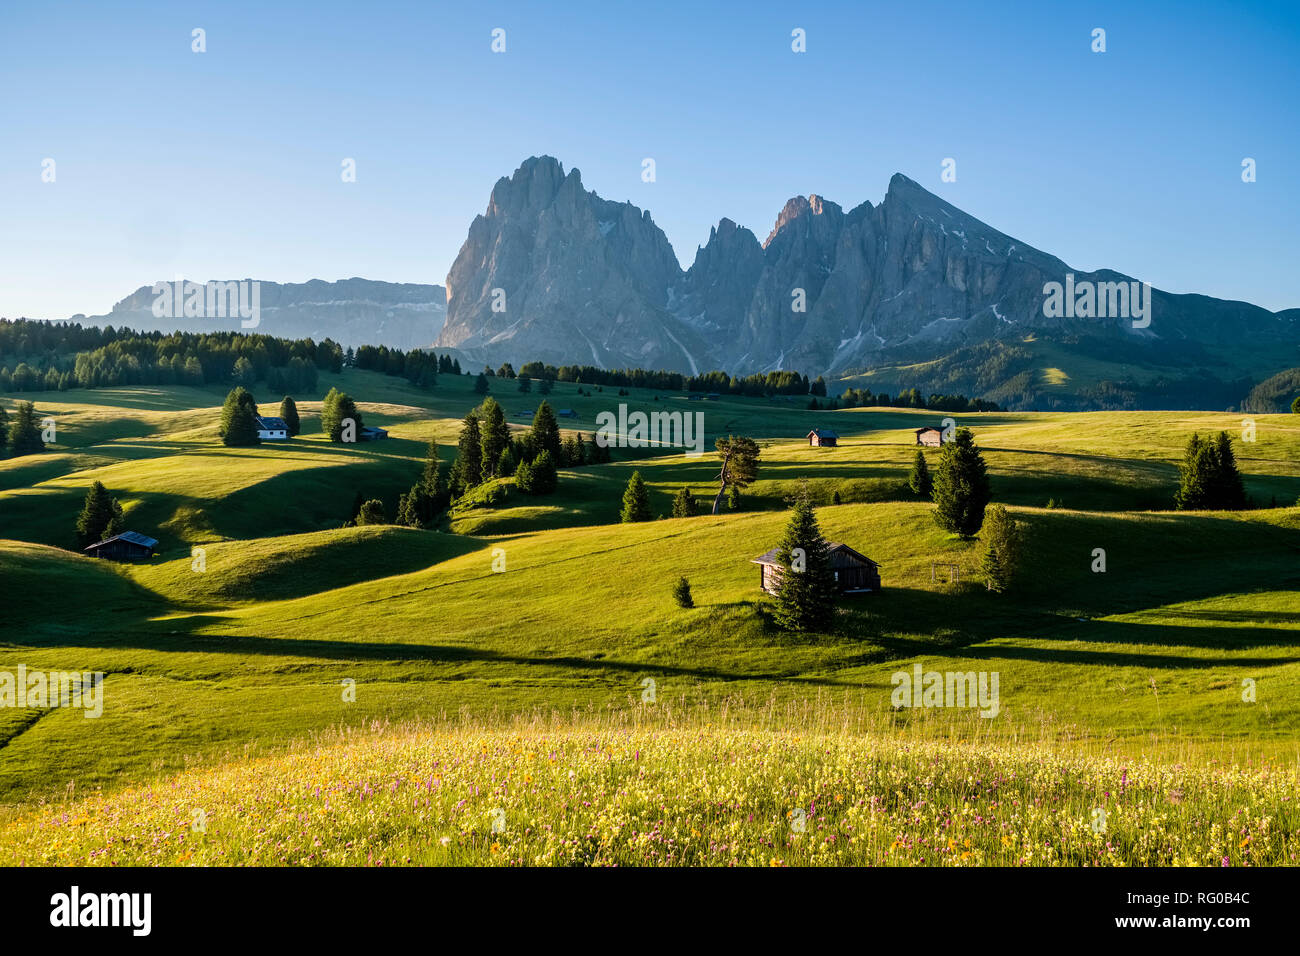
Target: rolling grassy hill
{"points": [[258, 649]]}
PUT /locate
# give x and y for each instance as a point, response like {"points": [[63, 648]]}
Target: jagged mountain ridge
{"points": [[589, 281]]}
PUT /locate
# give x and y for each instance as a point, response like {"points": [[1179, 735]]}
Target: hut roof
{"points": [[269, 423], [134, 537], [822, 433], [841, 555], [927, 428]]}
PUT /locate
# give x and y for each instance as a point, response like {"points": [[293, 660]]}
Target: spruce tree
{"points": [[494, 437], [238, 424], [4, 430], [25, 438], [481, 384], [919, 481], [101, 516], [1194, 474], [537, 477], [329, 413], [546, 431], [806, 591], [961, 486], [1001, 538], [372, 512], [1226, 488], [468, 468], [682, 593], [289, 412], [636, 500], [684, 504]]}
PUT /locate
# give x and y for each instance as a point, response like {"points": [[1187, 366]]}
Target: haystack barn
{"points": [[127, 546], [854, 573], [271, 429], [929, 436], [822, 438]]}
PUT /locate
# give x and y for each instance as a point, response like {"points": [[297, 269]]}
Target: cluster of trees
{"points": [[486, 450], [772, 383], [428, 497], [1208, 476], [22, 435], [418, 367], [45, 356], [912, 398], [101, 516]]}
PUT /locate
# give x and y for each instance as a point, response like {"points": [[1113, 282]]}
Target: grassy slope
{"points": [[254, 650]]}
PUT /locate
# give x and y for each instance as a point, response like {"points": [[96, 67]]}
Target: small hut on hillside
{"points": [[854, 573], [127, 546], [822, 438], [932, 437]]}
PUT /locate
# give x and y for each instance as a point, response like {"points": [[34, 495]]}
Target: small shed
{"points": [[822, 438], [929, 436], [371, 433], [713, 396], [271, 429], [854, 573], [567, 413], [127, 546]]}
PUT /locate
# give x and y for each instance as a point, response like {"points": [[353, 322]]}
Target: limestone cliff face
{"points": [[587, 281], [553, 272]]}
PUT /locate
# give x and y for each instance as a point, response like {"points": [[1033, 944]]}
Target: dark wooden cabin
{"points": [[822, 438], [854, 573], [127, 546], [929, 436]]}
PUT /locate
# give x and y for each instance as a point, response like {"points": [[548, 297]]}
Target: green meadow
{"points": [[548, 605]]}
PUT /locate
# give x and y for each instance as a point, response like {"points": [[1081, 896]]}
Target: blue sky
{"points": [[226, 164]]}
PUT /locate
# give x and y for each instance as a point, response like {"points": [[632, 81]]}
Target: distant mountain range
{"points": [[551, 271], [911, 292], [352, 312]]}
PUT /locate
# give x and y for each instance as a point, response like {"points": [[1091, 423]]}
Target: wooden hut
{"points": [[854, 573], [932, 437], [822, 438], [127, 546]]}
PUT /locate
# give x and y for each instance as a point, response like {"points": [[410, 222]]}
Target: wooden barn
{"points": [[929, 436], [127, 546], [822, 438], [854, 573], [371, 433]]}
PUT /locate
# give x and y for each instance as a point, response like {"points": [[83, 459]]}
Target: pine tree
{"points": [[636, 500], [507, 465], [1226, 488], [372, 512], [571, 456], [289, 412], [919, 481], [481, 384], [684, 504], [4, 430], [835, 497], [101, 516], [238, 423], [468, 468], [739, 467], [494, 436], [1192, 494], [1295, 406], [546, 432], [525, 383], [961, 486], [25, 438], [580, 453], [537, 477], [1001, 558], [682, 593], [408, 510], [806, 591]]}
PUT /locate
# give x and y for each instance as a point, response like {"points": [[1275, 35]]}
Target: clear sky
{"points": [[226, 164]]}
